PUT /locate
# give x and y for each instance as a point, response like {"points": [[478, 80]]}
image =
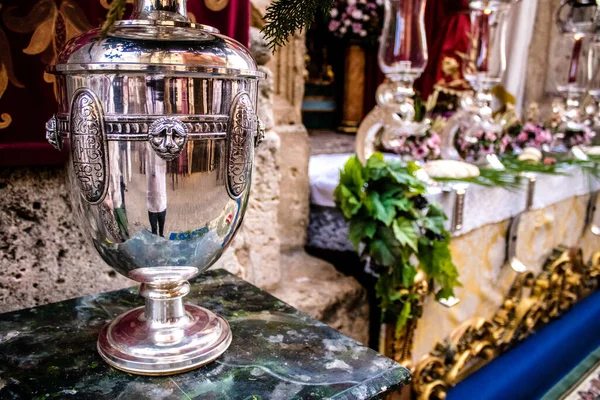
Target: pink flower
{"points": [[543, 136], [357, 14], [486, 150], [504, 142], [490, 136], [356, 28], [433, 140], [334, 25], [399, 143], [420, 153]]}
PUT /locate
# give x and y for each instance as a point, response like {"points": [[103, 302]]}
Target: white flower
{"points": [[343, 30], [366, 18], [357, 14], [362, 33], [333, 12], [347, 22], [379, 2], [351, 2]]}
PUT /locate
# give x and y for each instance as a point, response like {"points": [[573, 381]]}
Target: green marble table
{"points": [[49, 352]]}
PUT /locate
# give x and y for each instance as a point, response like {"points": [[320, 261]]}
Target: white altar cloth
{"points": [[482, 205]]}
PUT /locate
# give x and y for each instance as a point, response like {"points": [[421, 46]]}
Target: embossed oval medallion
{"points": [[241, 126], [88, 146]]}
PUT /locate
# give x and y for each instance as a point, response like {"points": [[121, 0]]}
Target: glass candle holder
{"points": [[579, 22], [593, 89], [472, 134], [578, 16], [402, 58]]}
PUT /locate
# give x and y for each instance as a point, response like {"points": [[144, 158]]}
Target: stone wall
{"points": [[44, 257], [309, 284]]}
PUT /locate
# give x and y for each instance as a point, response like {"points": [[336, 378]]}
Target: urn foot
{"points": [[163, 338]]}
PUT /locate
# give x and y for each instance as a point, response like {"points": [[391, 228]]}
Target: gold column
{"points": [[354, 88]]}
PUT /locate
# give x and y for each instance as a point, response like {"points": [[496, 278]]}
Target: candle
{"points": [[484, 39], [575, 58]]}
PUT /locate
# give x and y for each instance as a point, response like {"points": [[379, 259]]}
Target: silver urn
{"points": [[159, 122]]}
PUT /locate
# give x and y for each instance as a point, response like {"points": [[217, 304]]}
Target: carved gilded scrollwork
{"points": [[400, 348], [469, 347], [531, 302]]}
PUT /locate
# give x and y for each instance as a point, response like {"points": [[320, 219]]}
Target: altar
{"points": [[496, 308]]}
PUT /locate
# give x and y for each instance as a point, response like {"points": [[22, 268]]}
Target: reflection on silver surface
{"points": [[159, 121], [186, 198], [198, 218]]}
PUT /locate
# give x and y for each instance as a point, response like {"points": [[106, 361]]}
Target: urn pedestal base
{"points": [[165, 337]]}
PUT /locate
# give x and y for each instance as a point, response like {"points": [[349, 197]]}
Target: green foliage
{"points": [[391, 222], [115, 13], [286, 17]]}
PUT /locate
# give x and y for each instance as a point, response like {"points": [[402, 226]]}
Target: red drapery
{"points": [[447, 23], [32, 32]]}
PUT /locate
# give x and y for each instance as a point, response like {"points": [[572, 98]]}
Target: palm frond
{"points": [[491, 178]]}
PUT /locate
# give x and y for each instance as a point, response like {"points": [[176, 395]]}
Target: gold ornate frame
{"points": [[531, 302]]}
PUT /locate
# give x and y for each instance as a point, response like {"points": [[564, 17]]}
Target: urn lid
{"points": [[159, 39]]}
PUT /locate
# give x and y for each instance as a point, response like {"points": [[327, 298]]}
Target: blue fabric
{"points": [[529, 370]]}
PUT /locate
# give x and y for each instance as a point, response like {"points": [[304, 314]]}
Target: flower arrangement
{"points": [[419, 148], [474, 142], [356, 20], [528, 135], [570, 138]]}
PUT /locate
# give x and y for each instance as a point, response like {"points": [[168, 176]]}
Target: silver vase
{"points": [[159, 122]]}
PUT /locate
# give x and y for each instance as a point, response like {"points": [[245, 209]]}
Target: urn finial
{"points": [[161, 10]]}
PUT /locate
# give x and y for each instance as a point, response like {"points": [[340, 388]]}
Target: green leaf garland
{"points": [[392, 224]]}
